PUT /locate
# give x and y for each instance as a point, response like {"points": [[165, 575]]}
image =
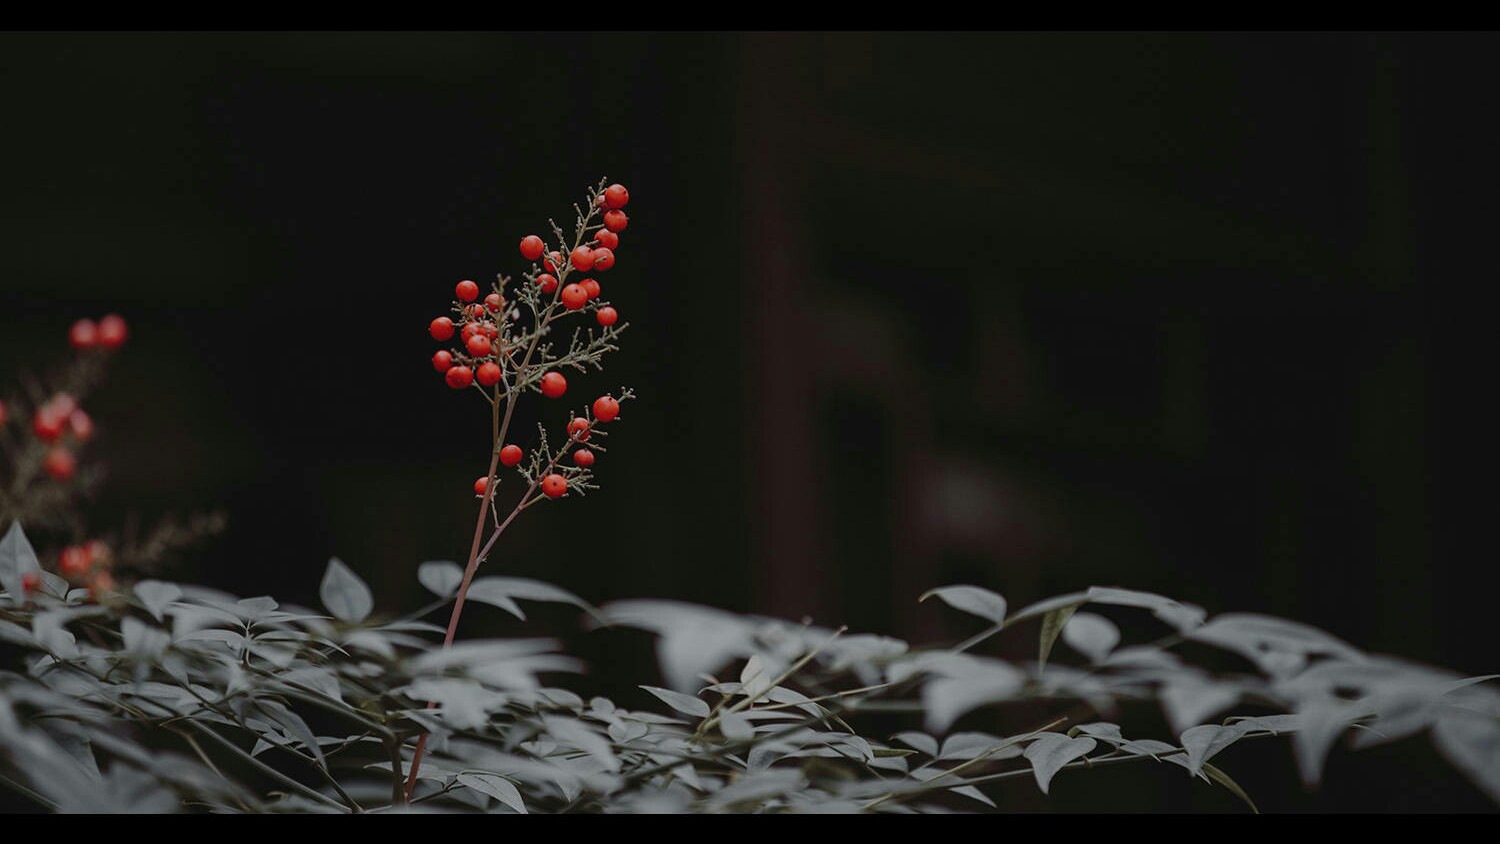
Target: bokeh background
{"points": [[1198, 314]]}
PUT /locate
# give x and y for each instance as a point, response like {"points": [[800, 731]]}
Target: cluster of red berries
{"points": [[86, 564], [108, 333], [606, 409], [57, 422], [479, 334]]}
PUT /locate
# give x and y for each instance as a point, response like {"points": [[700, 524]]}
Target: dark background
{"points": [[1198, 314]]}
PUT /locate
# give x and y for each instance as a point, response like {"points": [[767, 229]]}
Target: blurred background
{"points": [[1196, 314]]}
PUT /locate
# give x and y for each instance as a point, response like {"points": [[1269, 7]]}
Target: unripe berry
{"points": [[467, 291], [495, 302], [100, 585], [606, 408], [547, 282], [441, 329], [98, 553], [31, 581], [583, 457], [84, 334], [615, 196], [553, 262], [459, 377], [441, 361], [481, 485], [532, 247], [579, 428], [574, 297], [112, 331], [603, 259], [554, 485], [607, 239], [511, 455], [60, 463], [73, 562], [80, 425], [61, 404], [582, 258], [488, 374], [554, 385], [607, 316], [479, 345], [590, 287], [616, 221]]}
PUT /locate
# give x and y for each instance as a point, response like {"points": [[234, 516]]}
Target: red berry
{"points": [[554, 385], [603, 259], [494, 302], [578, 428], [441, 361], [471, 329], [582, 258], [574, 296], [479, 346], [84, 334], [98, 553], [112, 331], [554, 485], [590, 287], [490, 329], [511, 455], [481, 485], [606, 408], [488, 374], [532, 247], [467, 291], [60, 463], [553, 262], [459, 377], [616, 221], [583, 457], [547, 282], [607, 316], [441, 329], [48, 424], [475, 311], [2, 413], [73, 562], [615, 196], [81, 425], [607, 239], [31, 581]]}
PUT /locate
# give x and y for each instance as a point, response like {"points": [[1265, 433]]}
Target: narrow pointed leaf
{"points": [[1228, 782]]}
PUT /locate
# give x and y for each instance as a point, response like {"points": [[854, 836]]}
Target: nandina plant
{"points": [[163, 697], [505, 354]]}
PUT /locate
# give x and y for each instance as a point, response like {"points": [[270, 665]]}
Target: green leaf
{"points": [[441, 577], [155, 595], [1051, 751], [686, 704], [1052, 625], [1228, 782], [344, 594], [972, 600], [495, 786], [16, 558]]}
